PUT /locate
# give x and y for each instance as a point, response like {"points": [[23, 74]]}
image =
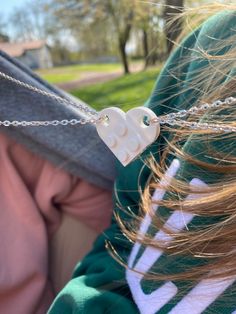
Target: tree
{"points": [[30, 21], [3, 29], [96, 40], [172, 29], [143, 23], [117, 15], [4, 38], [149, 21]]}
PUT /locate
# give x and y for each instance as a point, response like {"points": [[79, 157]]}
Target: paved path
{"points": [[89, 78]]}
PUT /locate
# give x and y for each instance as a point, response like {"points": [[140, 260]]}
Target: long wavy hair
{"points": [[213, 242]]}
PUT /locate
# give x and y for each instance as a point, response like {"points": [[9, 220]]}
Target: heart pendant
{"points": [[127, 134]]}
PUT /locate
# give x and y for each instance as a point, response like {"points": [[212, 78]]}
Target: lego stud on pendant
{"points": [[127, 134]]}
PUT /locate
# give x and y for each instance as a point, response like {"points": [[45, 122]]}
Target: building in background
{"points": [[34, 54]]}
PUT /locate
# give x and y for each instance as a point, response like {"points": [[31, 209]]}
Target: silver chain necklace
{"points": [[126, 134], [79, 105], [171, 119]]}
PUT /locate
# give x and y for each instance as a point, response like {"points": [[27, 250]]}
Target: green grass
{"points": [[125, 92], [65, 74]]}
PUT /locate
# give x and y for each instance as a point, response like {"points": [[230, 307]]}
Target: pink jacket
{"points": [[33, 195]]}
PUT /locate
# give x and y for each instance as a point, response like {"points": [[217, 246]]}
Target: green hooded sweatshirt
{"points": [[100, 284]]}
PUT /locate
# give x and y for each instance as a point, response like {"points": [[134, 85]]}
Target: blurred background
{"points": [[106, 52]]}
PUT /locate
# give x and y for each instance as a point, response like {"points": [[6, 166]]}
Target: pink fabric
{"points": [[33, 194]]}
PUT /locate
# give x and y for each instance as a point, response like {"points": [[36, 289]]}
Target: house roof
{"points": [[18, 49]]}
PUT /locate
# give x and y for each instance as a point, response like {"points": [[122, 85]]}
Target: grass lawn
{"points": [[65, 74], [125, 92]]}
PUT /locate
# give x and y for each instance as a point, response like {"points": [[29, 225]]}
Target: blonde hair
{"points": [[212, 243]]}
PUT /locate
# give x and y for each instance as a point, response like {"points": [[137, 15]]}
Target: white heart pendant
{"points": [[127, 134]]}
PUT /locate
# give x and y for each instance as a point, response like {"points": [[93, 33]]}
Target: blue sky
{"points": [[7, 6]]}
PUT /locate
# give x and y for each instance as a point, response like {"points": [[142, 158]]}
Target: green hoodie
{"points": [[100, 284]]}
